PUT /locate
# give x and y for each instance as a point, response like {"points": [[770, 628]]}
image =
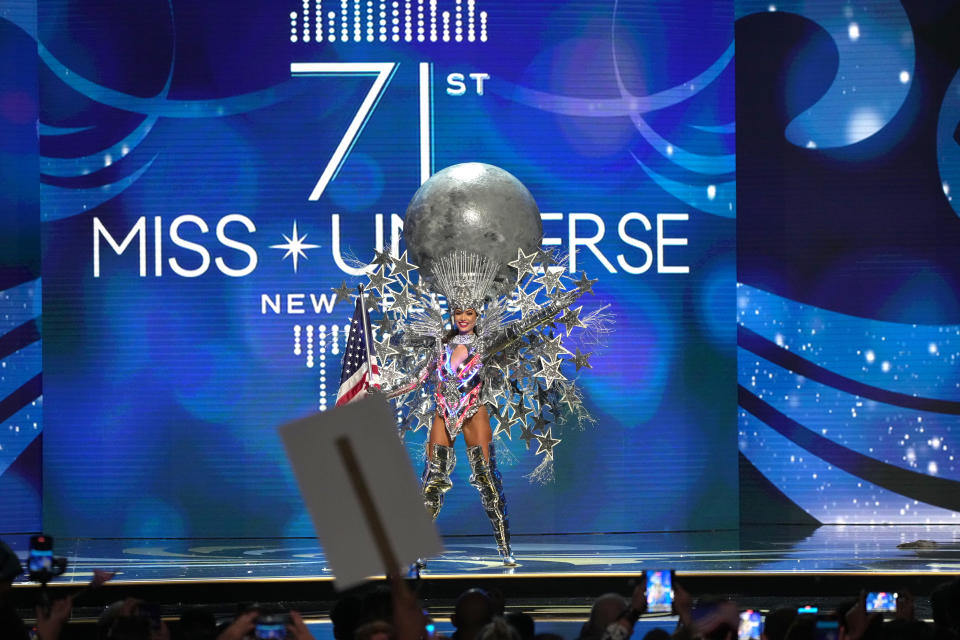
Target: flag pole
{"points": [[366, 335]]}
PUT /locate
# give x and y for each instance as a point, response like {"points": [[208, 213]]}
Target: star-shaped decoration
{"points": [[402, 302], [546, 443], [382, 258], [385, 350], [527, 302], [585, 284], [524, 264], [543, 396], [550, 279], [379, 281], [552, 349], [527, 435], [384, 324], [520, 411], [503, 424], [581, 359], [545, 258], [550, 371], [570, 397], [540, 424], [422, 416], [401, 267], [295, 246], [571, 319], [342, 292]]}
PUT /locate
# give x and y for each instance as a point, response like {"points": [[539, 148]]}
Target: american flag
{"points": [[357, 361]]}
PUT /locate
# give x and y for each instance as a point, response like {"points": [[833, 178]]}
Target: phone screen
{"points": [[751, 624], [40, 560], [882, 601], [270, 631], [659, 591]]}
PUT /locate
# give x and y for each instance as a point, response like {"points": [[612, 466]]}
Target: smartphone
{"points": [[270, 627], [751, 625], [40, 557], [881, 601], [827, 628], [659, 589]]}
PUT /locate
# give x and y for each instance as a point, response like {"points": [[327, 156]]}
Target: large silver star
{"points": [[401, 267], [503, 425], [527, 302], [551, 349], [540, 424], [550, 371], [585, 284], [295, 246], [524, 264], [571, 319], [343, 292], [385, 324], [520, 411], [570, 397], [581, 359], [379, 281], [382, 258], [402, 302], [385, 350], [550, 279], [546, 443]]}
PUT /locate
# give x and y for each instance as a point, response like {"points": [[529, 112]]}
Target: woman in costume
{"points": [[460, 366], [501, 356]]}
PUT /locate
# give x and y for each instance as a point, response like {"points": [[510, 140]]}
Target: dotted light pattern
{"points": [[359, 20], [322, 340], [919, 361]]}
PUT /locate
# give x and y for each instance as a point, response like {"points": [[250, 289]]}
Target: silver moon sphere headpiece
{"points": [[465, 279], [472, 207]]}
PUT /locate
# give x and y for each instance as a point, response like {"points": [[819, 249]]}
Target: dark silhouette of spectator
{"points": [[11, 625], [345, 616], [197, 624], [376, 630], [945, 606], [523, 623], [604, 612], [657, 634], [777, 623], [472, 612], [548, 636], [902, 629], [498, 629]]}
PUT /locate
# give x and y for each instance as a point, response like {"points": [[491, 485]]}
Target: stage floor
{"points": [[759, 550]]}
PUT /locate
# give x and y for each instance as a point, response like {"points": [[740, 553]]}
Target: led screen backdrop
{"points": [[184, 147], [848, 156]]}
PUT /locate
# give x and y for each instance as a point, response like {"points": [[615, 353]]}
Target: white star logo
{"points": [[295, 246]]}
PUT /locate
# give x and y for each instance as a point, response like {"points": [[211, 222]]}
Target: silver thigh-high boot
{"points": [[436, 476], [486, 479], [435, 482]]}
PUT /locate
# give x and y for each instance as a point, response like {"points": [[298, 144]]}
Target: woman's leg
{"points": [[485, 477], [438, 467]]}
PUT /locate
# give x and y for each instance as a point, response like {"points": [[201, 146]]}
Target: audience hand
{"points": [[905, 606], [49, 623], [296, 629], [241, 627], [857, 619]]}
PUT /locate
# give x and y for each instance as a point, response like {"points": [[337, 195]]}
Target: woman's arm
{"points": [[410, 383]]}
